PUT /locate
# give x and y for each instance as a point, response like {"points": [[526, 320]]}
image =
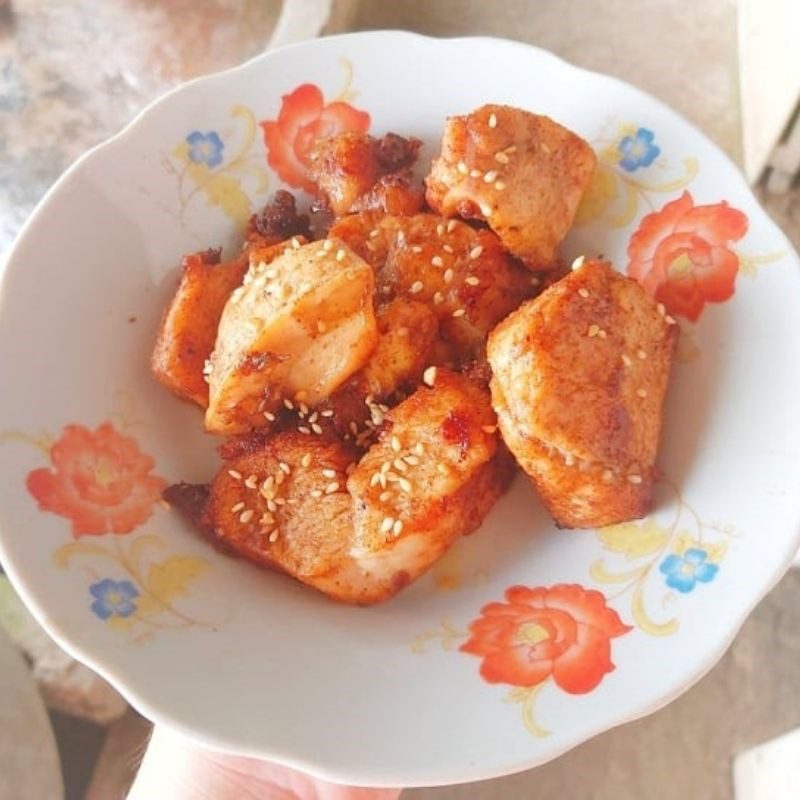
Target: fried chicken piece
{"points": [[357, 172], [407, 334], [188, 328], [287, 502], [522, 173], [579, 378], [460, 272], [278, 221], [299, 325]]}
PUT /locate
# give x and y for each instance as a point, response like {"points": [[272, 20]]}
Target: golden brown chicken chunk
{"points": [[299, 504], [579, 380], [461, 273], [189, 327], [300, 324], [522, 173], [357, 172]]}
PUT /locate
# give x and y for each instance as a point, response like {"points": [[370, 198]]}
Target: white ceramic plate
{"points": [[251, 662]]}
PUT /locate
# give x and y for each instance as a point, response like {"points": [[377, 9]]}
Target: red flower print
{"points": [[303, 118], [100, 480], [564, 632], [681, 254]]}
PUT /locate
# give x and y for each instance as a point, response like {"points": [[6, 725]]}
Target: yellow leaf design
{"points": [[148, 606], [226, 192], [68, 551], [123, 624], [600, 573], [171, 578], [634, 540], [644, 622], [602, 191]]}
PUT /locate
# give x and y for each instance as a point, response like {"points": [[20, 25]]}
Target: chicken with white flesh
{"points": [[521, 173], [360, 532], [300, 325]]}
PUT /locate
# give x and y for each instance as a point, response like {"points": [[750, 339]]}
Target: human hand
{"points": [[175, 768]]}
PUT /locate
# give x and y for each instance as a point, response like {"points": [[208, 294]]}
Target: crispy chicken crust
{"points": [[522, 173], [357, 172], [304, 506], [579, 378]]}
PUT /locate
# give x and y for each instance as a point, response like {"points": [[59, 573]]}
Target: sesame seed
{"points": [[459, 312], [384, 496], [448, 275], [499, 186], [442, 469], [237, 508], [329, 473], [607, 474], [412, 460], [251, 482], [578, 262], [304, 287], [235, 474], [340, 254], [320, 254], [314, 417], [353, 428], [416, 287], [670, 320], [501, 158], [271, 273], [438, 298], [437, 261], [382, 479], [280, 501], [332, 487], [545, 148], [305, 461], [489, 429], [267, 518], [386, 466], [641, 355], [316, 493], [272, 505], [280, 477], [634, 479], [317, 428], [463, 168], [593, 330], [472, 280], [626, 360], [492, 121], [416, 249], [295, 242], [419, 448], [396, 446], [490, 176], [641, 393], [246, 516], [429, 376], [405, 484], [661, 309], [583, 292], [602, 334], [373, 233], [208, 367], [273, 537], [451, 226], [512, 148], [387, 524], [486, 209], [447, 248], [397, 528], [288, 403], [476, 252], [327, 245], [304, 429], [400, 465], [321, 326], [475, 173], [328, 412], [439, 229], [284, 467], [375, 479], [569, 459]]}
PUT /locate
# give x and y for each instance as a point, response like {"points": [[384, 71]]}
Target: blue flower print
{"points": [[683, 572], [205, 148], [637, 150], [113, 598]]}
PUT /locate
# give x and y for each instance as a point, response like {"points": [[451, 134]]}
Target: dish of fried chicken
{"points": [[377, 380]]}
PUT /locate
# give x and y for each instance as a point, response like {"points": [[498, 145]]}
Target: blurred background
{"points": [[73, 72]]}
